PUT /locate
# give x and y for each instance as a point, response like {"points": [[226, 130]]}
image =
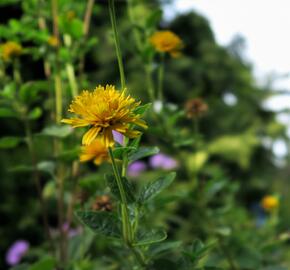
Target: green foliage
{"points": [[102, 223]]}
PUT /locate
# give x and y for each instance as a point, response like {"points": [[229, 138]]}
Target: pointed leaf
{"points": [[150, 237], [154, 188], [129, 192], [143, 152], [104, 223]]}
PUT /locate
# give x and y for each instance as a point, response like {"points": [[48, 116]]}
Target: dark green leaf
{"points": [[7, 112], [154, 188], [143, 152], [150, 237], [9, 142], [154, 18], [103, 223], [44, 264], [128, 188]]}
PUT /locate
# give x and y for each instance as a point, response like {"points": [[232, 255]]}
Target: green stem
{"points": [[117, 43], [16, 71], [31, 149], [126, 225], [161, 78], [70, 69], [150, 87], [124, 207]]}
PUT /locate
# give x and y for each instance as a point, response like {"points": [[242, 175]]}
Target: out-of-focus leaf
{"points": [[46, 166], [57, 131], [152, 189], [47, 263], [7, 112], [143, 152], [161, 248], [154, 18], [142, 109], [9, 142], [35, 113], [150, 237], [103, 223], [118, 152]]}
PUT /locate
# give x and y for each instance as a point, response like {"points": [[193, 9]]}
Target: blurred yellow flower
{"points": [[270, 203], [96, 151], [167, 41], [53, 41], [10, 49], [105, 109]]}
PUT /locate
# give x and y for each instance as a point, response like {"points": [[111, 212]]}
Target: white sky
{"points": [[265, 25]]}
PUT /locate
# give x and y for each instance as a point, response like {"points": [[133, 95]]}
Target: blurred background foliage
{"points": [[233, 160]]}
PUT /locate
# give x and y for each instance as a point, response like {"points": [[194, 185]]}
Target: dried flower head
{"points": [[10, 49], [270, 203], [167, 41], [102, 203], [104, 110], [96, 151], [53, 41], [195, 107]]}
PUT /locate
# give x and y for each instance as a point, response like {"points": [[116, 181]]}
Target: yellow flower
{"points": [[105, 109], [96, 151], [53, 41], [270, 203], [167, 41], [10, 49]]}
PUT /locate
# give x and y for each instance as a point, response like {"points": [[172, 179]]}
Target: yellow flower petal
{"points": [[90, 135]]}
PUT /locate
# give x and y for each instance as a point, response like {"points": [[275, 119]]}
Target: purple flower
{"points": [[162, 161], [16, 251], [135, 168], [118, 137], [71, 232]]}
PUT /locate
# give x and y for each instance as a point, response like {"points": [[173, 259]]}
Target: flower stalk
{"points": [[117, 43]]}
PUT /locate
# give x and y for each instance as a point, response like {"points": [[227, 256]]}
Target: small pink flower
{"points": [[135, 168], [162, 161], [16, 251], [118, 137]]}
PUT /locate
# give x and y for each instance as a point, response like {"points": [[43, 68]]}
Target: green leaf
{"points": [[47, 263], [128, 188], [23, 266], [29, 91], [9, 142], [143, 152], [103, 223], [154, 188], [118, 152], [35, 113], [154, 18], [142, 109], [46, 166], [7, 112], [161, 248], [150, 237], [57, 131]]}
